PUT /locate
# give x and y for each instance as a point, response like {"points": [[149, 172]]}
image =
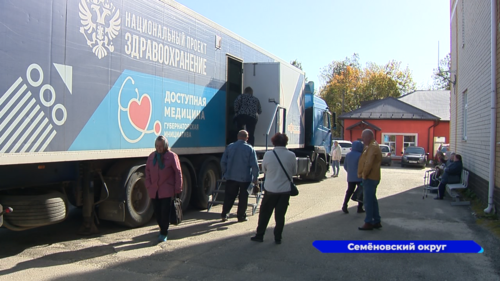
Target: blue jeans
{"points": [[370, 201], [335, 166]]}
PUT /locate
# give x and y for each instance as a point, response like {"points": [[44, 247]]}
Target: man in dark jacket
{"points": [[247, 109], [452, 174], [351, 161]]}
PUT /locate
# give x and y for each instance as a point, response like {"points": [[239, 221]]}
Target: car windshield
{"points": [[384, 148], [345, 144], [415, 150]]}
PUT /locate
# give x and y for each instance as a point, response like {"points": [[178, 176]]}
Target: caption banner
{"points": [[429, 246]]}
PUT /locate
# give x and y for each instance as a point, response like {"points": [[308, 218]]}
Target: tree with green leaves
{"points": [[338, 67], [347, 84], [441, 76]]}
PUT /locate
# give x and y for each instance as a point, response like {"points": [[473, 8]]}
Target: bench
{"points": [[452, 188]]}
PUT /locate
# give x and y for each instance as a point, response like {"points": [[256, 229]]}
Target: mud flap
{"points": [[111, 210]]}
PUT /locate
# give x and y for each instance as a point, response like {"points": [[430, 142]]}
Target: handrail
{"points": [[274, 117], [272, 121]]}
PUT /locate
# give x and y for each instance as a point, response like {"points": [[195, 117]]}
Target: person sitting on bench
{"points": [[452, 174], [440, 165]]}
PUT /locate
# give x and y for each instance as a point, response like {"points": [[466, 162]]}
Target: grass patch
{"points": [[489, 221]]}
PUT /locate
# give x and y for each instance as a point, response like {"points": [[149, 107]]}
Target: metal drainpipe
{"points": [[493, 124]]}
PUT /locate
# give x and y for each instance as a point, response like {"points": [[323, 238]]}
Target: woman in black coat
{"points": [[452, 174]]}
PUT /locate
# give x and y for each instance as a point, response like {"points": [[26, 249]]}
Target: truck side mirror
{"points": [[334, 121]]}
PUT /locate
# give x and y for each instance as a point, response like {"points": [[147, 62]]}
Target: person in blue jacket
{"points": [[351, 167]]}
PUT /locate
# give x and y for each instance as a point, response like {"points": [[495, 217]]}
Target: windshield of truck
{"points": [[384, 148]]}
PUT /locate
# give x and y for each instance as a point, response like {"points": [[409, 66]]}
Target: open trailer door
{"points": [[276, 84]]}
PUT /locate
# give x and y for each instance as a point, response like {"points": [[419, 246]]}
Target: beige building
{"points": [[475, 81]]}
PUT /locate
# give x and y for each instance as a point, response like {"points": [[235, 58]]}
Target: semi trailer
{"points": [[86, 86]]}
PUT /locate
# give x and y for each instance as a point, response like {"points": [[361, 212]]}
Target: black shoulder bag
{"points": [[176, 210], [293, 189]]}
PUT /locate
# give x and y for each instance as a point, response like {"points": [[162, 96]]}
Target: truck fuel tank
{"points": [[303, 166]]}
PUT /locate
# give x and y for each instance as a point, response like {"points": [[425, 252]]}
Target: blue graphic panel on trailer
{"points": [[139, 107]]}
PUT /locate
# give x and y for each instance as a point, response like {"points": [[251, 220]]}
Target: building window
{"points": [[390, 140], [465, 106], [409, 141]]}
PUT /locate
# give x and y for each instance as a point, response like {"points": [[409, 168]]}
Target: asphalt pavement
{"points": [[203, 248]]}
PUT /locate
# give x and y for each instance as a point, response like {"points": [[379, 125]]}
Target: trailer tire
{"points": [[138, 206], [320, 171], [36, 210], [187, 185], [207, 182]]}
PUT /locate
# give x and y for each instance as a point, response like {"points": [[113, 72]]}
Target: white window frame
{"points": [[401, 134], [394, 153], [465, 109], [413, 142]]}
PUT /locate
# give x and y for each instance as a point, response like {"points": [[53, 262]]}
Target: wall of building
{"points": [[399, 128], [443, 130], [497, 164], [471, 59], [470, 62]]}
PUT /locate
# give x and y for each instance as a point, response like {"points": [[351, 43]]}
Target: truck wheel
{"points": [[320, 171], [35, 210], [187, 183], [207, 181], [138, 205]]}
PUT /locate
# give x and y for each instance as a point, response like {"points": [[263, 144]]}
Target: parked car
{"points": [[345, 146], [386, 155], [445, 149], [414, 156]]}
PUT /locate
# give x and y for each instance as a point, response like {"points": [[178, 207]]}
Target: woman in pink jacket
{"points": [[163, 181]]}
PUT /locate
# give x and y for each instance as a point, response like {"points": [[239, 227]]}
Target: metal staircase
{"points": [[220, 188]]}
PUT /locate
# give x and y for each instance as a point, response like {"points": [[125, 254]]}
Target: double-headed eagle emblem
{"points": [[97, 30]]}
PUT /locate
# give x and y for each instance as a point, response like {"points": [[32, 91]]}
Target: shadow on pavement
{"points": [[69, 257], [405, 216]]}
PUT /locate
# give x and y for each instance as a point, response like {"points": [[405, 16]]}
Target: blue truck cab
{"points": [[318, 135]]}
